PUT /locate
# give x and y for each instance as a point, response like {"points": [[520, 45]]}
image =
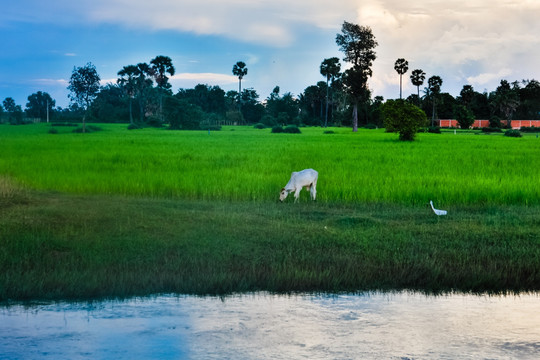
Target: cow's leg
{"points": [[297, 193], [313, 192]]}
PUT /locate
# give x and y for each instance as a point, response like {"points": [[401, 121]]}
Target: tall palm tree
{"points": [[401, 66], [417, 78], [161, 66], [127, 81], [240, 70], [434, 84], [330, 69]]}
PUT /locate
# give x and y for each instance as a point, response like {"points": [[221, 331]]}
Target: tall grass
{"points": [[242, 163]]}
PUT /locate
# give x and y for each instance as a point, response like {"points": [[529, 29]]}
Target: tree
{"points": [[357, 43], [330, 69], [40, 105], [181, 115], [84, 86], [434, 86], [417, 78], [15, 114], [401, 66], [464, 116], [143, 85], [403, 117], [161, 66], [506, 100], [128, 83], [239, 69]]}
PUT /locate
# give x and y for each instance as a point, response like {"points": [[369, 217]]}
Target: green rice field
{"points": [[120, 213], [246, 164]]}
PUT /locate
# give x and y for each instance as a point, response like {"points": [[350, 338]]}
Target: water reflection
{"points": [[263, 326]]}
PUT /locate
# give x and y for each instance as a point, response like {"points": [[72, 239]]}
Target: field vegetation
{"points": [[122, 212]]}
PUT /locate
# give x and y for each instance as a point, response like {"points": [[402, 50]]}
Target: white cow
{"points": [[306, 178]]}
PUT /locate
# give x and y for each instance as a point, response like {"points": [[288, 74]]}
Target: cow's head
{"points": [[283, 194]]}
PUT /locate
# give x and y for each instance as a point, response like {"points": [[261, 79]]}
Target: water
{"points": [[264, 326]]}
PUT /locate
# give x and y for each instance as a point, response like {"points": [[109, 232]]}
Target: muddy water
{"points": [[264, 326]]}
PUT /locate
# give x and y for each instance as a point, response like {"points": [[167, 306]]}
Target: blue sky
{"points": [[474, 42]]}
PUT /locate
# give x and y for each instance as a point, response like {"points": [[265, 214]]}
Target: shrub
{"points": [[491, 130], [87, 129], [211, 127], [403, 117], [181, 115], [269, 120], [292, 129], [134, 127], [529, 129], [65, 124], [259, 126], [370, 126], [277, 129], [495, 122], [434, 130], [513, 133], [328, 132], [53, 131], [464, 116]]}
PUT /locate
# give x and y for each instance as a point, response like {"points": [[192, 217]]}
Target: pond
{"points": [[265, 326]]}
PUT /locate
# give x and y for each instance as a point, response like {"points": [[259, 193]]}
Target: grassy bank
{"points": [[121, 213], [56, 246]]}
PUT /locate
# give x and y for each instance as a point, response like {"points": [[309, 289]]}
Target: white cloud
{"points": [[192, 79], [51, 82], [485, 78]]}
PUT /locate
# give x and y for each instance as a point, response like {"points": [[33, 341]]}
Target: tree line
{"points": [[142, 96]]}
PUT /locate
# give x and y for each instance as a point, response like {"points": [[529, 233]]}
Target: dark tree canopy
{"points": [[39, 104]]}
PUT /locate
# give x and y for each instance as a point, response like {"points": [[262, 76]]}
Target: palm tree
{"points": [[401, 66], [127, 81], [434, 84], [417, 78], [240, 70], [330, 69], [162, 65]]}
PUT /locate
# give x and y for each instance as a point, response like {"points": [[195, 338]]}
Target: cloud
{"points": [[191, 79], [445, 37], [485, 78], [51, 82]]}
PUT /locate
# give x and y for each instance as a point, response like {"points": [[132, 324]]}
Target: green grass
{"points": [[252, 165], [82, 247], [120, 213]]}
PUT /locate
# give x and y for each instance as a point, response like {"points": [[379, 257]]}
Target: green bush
{"points": [[529, 129], [464, 116], [292, 129], [495, 122], [328, 132], [259, 126], [53, 131], [403, 117], [513, 133], [491, 130], [434, 130], [370, 126], [134, 127], [87, 129], [181, 115], [277, 129], [211, 127]]}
